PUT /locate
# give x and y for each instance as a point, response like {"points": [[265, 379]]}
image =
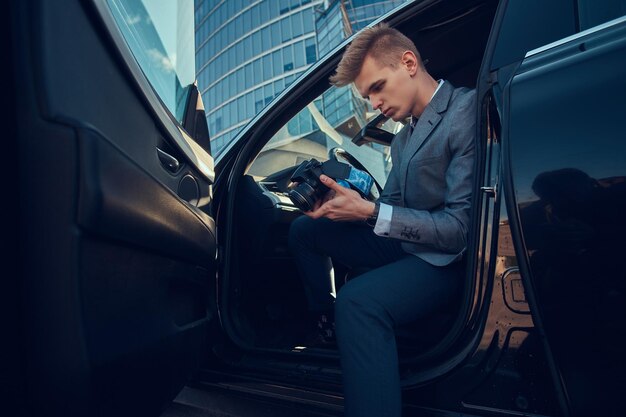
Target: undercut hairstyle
{"points": [[386, 45]]}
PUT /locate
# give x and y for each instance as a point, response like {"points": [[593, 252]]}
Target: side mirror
{"points": [[194, 120]]}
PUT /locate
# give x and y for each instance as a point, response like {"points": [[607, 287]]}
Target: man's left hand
{"points": [[346, 205]]}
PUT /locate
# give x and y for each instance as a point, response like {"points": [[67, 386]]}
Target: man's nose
{"points": [[376, 102]]}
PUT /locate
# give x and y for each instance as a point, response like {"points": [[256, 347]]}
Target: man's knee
{"points": [[299, 229], [305, 230], [355, 306]]}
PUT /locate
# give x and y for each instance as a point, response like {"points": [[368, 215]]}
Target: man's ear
{"points": [[409, 62]]}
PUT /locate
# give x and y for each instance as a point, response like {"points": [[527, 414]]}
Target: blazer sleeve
{"points": [[445, 228], [391, 193]]}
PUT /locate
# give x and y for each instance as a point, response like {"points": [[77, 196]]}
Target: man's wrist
{"points": [[372, 218]]}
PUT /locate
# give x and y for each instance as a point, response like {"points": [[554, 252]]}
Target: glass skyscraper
{"points": [[247, 52]]}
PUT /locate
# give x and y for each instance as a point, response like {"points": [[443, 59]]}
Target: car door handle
{"points": [[490, 191], [168, 161]]}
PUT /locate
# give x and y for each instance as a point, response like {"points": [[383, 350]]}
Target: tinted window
{"points": [[593, 13], [530, 24], [162, 45]]}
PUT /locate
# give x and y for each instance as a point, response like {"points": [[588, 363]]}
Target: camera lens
{"points": [[303, 196]]}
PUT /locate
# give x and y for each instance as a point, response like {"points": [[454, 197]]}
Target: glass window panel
{"points": [[231, 58], [266, 37], [255, 17], [296, 24], [308, 20], [258, 72], [247, 21], [288, 55], [250, 105], [265, 13], [275, 29], [212, 71], [230, 114], [277, 62], [226, 88], [239, 53], [285, 29], [298, 52], [231, 32], [311, 55], [258, 106], [593, 13], [218, 92], [241, 109], [256, 43], [249, 76], [247, 48], [293, 127], [231, 7], [240, 80], [268, 92], [218, 124], [267, 67], [278, 87]]}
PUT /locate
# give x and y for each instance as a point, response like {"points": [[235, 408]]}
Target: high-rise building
{"points": [[247, 52]]}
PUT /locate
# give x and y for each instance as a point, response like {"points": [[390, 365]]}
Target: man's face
{"points": [[389, 89]]}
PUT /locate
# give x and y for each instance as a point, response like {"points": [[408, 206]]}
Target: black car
{"points": [[144, 265]]}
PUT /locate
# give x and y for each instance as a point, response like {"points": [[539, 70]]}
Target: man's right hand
{"points": [[330, 194]]}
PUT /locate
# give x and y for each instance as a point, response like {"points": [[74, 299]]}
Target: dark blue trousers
{"points": [[398, 289]]}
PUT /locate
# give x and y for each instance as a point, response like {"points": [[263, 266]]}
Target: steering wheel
{"points": [[341, 155]]}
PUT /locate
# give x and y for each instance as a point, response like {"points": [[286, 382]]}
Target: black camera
{"points": [[310, 189]]}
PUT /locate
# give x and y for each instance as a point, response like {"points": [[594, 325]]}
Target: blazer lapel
{"points": [[428, 121]]}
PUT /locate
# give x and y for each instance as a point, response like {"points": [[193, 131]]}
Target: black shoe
{"points": [[323, 333], [316, 340]]}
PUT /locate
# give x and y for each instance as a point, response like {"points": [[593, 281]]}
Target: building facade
{"points": [[247, 52]]}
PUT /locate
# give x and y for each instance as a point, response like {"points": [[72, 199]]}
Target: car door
{"points": [[559, 89], [118, 249]]}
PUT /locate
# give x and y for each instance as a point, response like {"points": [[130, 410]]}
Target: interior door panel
{"points": [[118, 199], [119, 270]]}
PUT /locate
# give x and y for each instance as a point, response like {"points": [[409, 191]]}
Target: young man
{"points": [[412, 239]]}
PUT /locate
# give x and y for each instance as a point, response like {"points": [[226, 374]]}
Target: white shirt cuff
{"points": [[383, 222]]}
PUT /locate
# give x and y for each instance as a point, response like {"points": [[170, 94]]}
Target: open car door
{"points": [[558, 84], [118, 246]]}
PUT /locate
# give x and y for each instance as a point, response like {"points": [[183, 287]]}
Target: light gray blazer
{"points": [[430, 183]]}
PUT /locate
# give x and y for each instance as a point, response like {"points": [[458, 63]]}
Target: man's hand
{"points": [[341, 204]]}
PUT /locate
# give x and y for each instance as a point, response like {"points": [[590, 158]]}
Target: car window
{"points": [[592, 12], [160, 36], [329, 121]]}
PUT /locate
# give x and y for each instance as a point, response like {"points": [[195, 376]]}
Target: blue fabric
{"points": [[358, 180]]}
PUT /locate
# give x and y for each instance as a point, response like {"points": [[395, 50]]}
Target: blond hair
{"points": [[383, 43]]}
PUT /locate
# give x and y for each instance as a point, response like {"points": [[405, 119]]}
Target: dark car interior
{"points": [[265, 302]]}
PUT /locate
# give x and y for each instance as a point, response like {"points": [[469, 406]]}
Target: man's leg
{"points": [[367, 311], [314, 241]]}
